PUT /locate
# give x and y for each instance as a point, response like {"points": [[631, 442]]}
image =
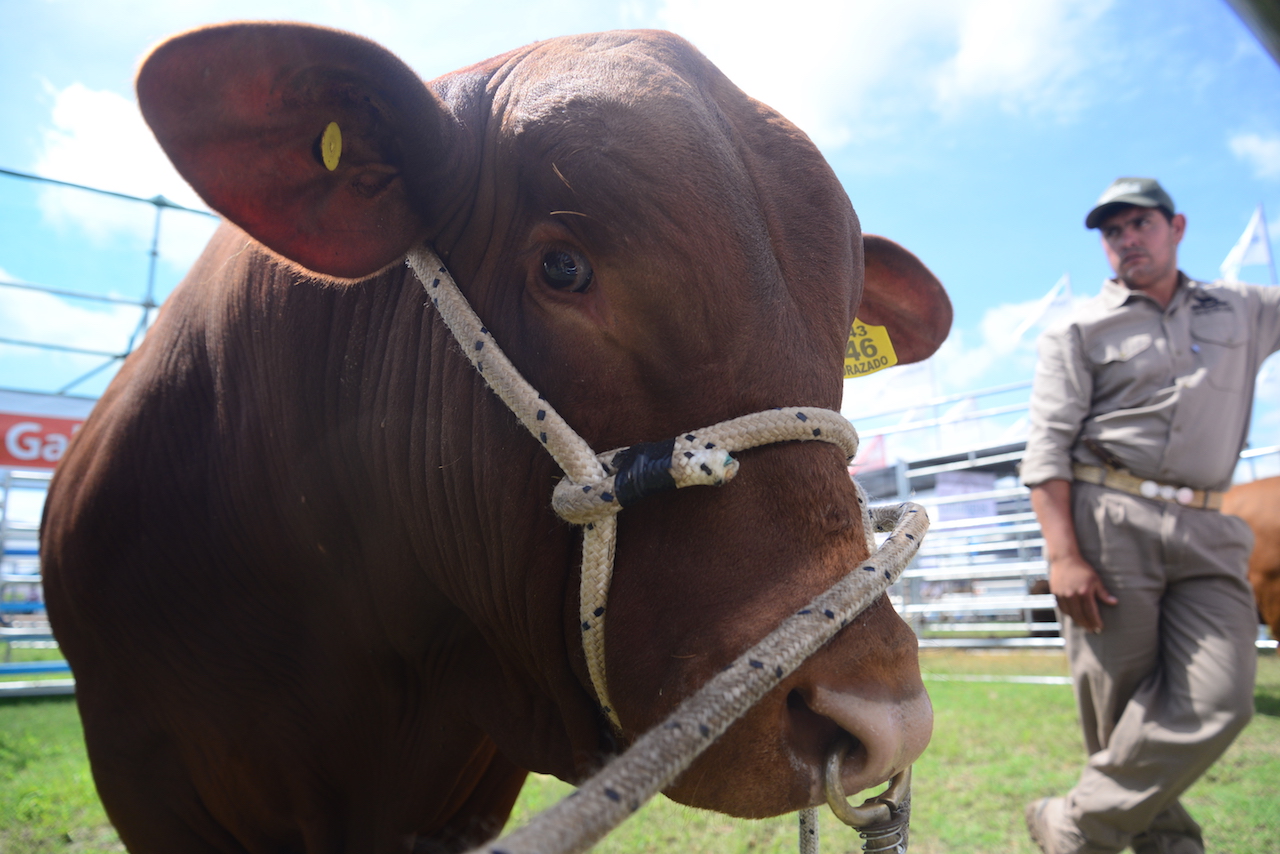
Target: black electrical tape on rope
{"points": [[643, 470]]}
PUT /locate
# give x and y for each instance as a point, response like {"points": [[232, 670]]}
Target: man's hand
{"points": [[1071, 578], [1079, 589]]}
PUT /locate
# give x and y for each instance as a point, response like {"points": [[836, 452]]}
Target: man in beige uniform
{"points": [[1139, 410]]}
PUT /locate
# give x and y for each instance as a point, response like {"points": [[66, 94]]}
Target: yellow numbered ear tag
{"points": [[869, 350], [331, 146]]}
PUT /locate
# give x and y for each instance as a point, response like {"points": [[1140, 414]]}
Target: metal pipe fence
{"points": [[146, 301], [981, 578]]}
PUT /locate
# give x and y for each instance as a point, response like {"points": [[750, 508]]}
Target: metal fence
{"points": [[980, 578], [23, 622], [146, 301]]}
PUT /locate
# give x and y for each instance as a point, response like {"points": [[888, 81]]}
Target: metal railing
{"points": [[868, 429], [23, 623], [147, 303], [974, 581]]}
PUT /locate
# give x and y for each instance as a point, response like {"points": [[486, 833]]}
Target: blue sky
{"points": [[975, 132]]}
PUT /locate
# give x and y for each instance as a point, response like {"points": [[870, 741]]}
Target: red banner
{"points": [[34, 441]]}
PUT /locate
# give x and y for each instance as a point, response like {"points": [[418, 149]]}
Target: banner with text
{"points": [[34, 441]]}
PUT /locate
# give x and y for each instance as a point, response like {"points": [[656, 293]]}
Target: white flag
{"points": [[1253, 247], [1058, 298]]}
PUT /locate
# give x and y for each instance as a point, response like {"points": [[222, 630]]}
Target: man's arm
{"points": [[1071, 578], [1266, 315]]}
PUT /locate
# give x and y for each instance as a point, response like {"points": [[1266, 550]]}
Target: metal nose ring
{"points": [[883, 820]]}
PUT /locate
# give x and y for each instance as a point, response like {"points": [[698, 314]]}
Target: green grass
{"points": [[995, 747], [47, 799]]}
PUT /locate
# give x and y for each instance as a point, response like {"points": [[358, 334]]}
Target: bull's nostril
{"points": [[812, 734], [809, 728]]}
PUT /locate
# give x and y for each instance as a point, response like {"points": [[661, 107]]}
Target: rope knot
{"points": [[637, 471]]}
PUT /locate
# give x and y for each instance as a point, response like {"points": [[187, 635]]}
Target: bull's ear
{"points": [[901, 294], [316, 142]]}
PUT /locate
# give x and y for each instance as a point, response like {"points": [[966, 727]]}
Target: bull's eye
{"points": [[566, 271]]}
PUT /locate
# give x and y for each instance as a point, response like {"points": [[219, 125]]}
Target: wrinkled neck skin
{"points": [[400, 475]]}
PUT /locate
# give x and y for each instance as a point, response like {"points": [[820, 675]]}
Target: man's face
{"points": [[1142, 245]]}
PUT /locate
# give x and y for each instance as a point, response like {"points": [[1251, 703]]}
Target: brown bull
{"points": [[303, 561], [1258, 503]]}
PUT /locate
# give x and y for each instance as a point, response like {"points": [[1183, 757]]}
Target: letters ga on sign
{"points": [[34, 441], [869, 350]]}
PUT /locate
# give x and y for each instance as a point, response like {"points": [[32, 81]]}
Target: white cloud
{"points": [[99, 139], [1020, 54], [1266, 413], [999, 352], [968, 362], [821, 63], [42, 317], [1262, 153], [842, 70]]}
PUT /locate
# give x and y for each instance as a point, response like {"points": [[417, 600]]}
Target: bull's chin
{"points": [[755, 771]]}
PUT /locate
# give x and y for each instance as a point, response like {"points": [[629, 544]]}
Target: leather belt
{"points": [[1134, 485]]}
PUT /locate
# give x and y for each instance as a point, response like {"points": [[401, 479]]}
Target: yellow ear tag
{"points": [[869, 350], [331, 146]]}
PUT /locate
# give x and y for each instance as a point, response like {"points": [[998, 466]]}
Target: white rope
{"points": [[659, 756], [594, 490], [566, 447], [809, 841]]}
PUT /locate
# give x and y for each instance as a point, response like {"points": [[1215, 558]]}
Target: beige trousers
{"points": [[1168, 683]]}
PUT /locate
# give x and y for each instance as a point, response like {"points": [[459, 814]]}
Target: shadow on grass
{"points": [[1267, 703], [49, 699]]}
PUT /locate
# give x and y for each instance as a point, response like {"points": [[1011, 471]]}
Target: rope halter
{"points": [[596, 487]]}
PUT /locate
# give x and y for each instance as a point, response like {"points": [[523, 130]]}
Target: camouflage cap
{"points": [[1143, 192]]}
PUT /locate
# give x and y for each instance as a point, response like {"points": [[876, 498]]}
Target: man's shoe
{"points": [[1055, 833], [1038, 824]]}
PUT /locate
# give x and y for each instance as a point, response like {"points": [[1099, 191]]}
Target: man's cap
{"points": [[1143, 192]]}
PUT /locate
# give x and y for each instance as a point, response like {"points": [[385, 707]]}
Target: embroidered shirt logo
{"points": [[1203, 303]]}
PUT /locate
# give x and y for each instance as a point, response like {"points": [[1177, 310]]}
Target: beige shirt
{"points": [[1167, 392]]}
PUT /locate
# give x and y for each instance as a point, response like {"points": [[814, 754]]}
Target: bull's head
{"points": [[656, 252]]}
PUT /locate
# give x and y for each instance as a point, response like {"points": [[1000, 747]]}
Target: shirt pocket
{"points": [[1218, 341], [1121, 349]]}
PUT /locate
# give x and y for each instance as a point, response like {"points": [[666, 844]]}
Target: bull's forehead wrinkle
{"points": [[619, 71], [629, 99]]}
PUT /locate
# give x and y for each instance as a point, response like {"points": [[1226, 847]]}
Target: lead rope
{"points": [[594, 490]]}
